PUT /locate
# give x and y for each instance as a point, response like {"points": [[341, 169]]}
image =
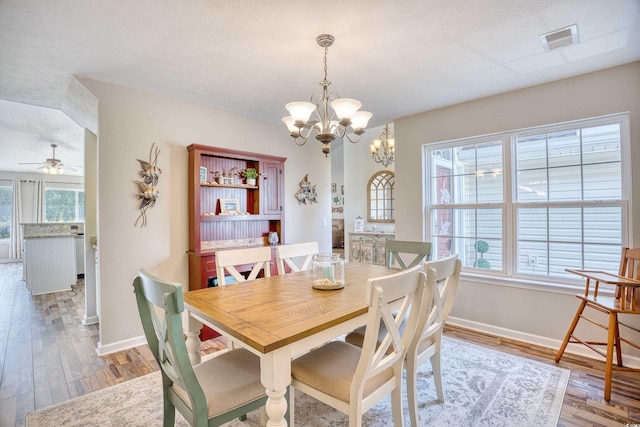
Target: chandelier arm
{"points": [[303, 137], [353, 141], [340, 131]]}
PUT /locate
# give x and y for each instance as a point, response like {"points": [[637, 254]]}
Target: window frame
{"points": [[509, 276], [78, 207], [8, 184], [384, 181]]}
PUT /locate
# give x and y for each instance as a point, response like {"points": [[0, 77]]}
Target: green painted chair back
{"points": [[400, 251]]}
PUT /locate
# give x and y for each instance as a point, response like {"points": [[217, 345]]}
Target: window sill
{"points": [[556, 287]]}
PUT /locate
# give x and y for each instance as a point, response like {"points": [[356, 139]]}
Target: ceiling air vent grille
{"points": [[560, 38]]}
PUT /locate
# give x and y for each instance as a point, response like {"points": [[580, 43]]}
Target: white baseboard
{"points": [[120, 345], [577, 349], [91, 320]]}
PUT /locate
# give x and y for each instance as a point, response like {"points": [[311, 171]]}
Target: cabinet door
{"points": [[368, 251], [380, 254], [355, 250], [271, 187]]}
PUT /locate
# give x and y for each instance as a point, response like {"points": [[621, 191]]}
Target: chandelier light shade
{"points": [[383, 149], [53, 169], [334, 116]]}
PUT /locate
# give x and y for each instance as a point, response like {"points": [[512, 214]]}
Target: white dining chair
{"points": [[352, 379], [426, 343], [287, 255], [443, 275], [228, 261]]}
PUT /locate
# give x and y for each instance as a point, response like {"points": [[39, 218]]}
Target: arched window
{"points": [[381, 197]]}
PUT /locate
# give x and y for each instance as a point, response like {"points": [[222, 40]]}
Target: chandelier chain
{"points": [[326, 51]]}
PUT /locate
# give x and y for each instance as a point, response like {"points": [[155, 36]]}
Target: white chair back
{"points": [[285, 255], [228, 262]]}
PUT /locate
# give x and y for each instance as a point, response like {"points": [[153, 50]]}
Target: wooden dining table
{"points": [[278, 318]]}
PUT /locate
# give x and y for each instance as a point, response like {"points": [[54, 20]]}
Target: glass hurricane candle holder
{"points": [[328, 271]]}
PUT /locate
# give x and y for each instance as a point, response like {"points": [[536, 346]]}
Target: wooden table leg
{"points": [[193, 339], [608, 373], [275, 373]]}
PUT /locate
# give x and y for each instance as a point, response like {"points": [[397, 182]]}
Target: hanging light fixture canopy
{"points": [[334, 115], [383, 149]]}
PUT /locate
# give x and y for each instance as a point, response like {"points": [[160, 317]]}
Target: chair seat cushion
{"points": [[357, 336], [330, 369], [229, 380]]}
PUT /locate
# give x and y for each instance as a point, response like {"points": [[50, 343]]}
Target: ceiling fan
{"points": [[54, 166]]}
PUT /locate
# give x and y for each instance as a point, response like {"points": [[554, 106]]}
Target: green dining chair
{"points": [[397, 251], [212, 393]]}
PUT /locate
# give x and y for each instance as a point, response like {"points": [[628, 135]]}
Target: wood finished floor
{"points": [[47, 356]]}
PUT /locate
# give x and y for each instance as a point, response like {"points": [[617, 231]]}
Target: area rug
{"points": [[483, 387]]}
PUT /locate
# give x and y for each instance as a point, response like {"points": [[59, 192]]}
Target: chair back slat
{"points": [[629, 267], [286, 255], [228, 261], [400, 251], [630, 263]]}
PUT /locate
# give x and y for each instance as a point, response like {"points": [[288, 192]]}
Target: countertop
{"points": [[47, 236]]}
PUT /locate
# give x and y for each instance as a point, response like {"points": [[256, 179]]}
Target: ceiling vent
{"points": [[560, 38]]}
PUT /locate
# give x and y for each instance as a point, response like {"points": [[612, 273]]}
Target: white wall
{"points": [[359, 168], [527, 314], [337, 175], [129, 122]]}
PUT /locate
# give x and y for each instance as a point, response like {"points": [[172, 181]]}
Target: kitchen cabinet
{"points": [[50, 255], [368, 247], [49, 264]]}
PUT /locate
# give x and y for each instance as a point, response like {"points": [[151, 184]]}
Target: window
{"points": [[64, 205], [534, 202], [381, 197], [6, 201]]}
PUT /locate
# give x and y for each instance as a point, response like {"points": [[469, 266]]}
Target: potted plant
{"points": [[250, 174], [482, 246]]}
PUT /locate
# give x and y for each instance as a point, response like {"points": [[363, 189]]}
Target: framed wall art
{"points": [[203, 174], [229, 207]]}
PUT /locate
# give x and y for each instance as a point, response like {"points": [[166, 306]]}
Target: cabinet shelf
{"points": [[211, 184], [251, 217]]}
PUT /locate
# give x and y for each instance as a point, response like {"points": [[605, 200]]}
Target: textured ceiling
{"points": [[252, 57]]}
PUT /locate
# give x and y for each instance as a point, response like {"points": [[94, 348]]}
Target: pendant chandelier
{"points": [[335, 116], [383, 149]]}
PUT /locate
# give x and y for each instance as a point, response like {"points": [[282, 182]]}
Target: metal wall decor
{"points": [[307, 192], [147, 192]]}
